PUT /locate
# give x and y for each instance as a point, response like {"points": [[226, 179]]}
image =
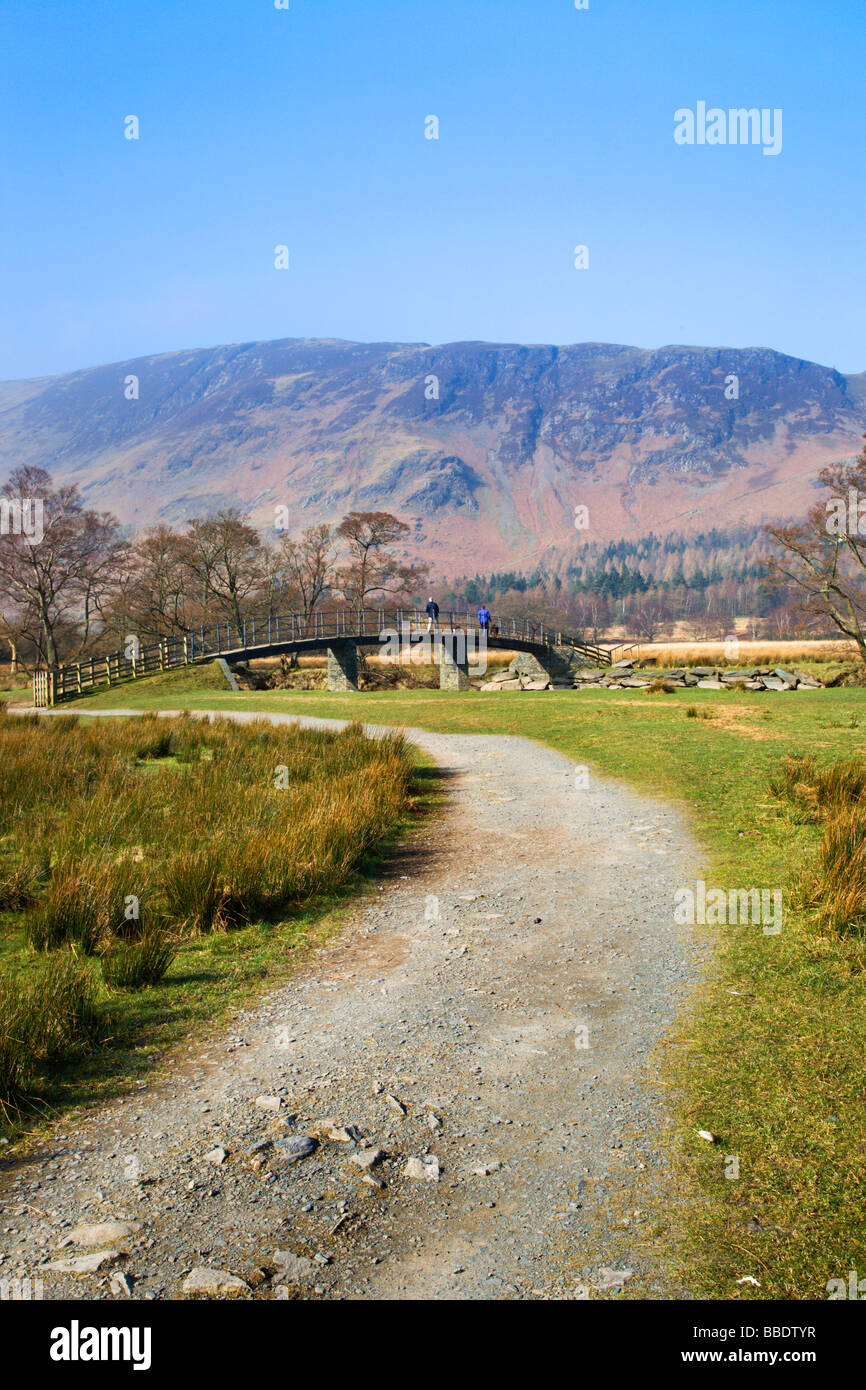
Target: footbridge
{"points": [[456, 641]]}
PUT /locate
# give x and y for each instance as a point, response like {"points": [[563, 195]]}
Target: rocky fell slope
{"points": [[485, 449]]}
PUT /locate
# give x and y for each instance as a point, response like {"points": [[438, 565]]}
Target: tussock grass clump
{"points": [[84, 906], [134, 964], [15, 1054], [63, 1007], [159, 744], [17, 887], [815, 791], [705, 712], [836, 886], [52, 1014], [193, 891], [660, 686], [834, 796]]}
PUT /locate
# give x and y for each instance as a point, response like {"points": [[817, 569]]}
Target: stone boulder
{"points": [[213, 1283]]}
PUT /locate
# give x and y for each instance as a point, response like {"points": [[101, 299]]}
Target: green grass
{"points": [[770, 1059], [206, 675]]}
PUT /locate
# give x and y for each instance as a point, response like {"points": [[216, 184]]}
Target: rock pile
{"points": [[513, 680], [624, 676]]}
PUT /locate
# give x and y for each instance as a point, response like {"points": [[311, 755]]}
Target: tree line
{"points": [[83, 587], [702, 584]]}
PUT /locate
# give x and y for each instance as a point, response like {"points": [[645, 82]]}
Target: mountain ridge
{"points": [[485, 449]]}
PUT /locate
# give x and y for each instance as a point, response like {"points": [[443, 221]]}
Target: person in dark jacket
{"points": [[432, 611], [484, 618]]}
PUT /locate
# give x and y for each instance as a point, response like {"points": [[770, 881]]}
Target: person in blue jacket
{"points": [[432, 611], [484, 618]]}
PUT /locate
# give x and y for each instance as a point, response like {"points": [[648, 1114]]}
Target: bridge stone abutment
{"points": [[564, 661], [528, 664], [343, 667], [552, 661], [453, 663]]}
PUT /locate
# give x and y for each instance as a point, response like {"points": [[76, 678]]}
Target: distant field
{"points": [[746, 653], [771, 1059]]}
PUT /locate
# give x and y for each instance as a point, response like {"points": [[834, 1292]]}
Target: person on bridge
{"points": [[432, 611], [484, 618]]}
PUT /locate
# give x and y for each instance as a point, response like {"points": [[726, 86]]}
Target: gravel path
{"points": [[484, 1020]]}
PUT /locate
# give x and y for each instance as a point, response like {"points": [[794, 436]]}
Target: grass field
{"points": [[151, 871], [770, 1060], [814, 655]]}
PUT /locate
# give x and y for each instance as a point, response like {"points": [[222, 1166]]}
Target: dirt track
{"points": [[445, 1022]]}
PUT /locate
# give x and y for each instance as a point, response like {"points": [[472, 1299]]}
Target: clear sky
{"points": [[306, 127]]}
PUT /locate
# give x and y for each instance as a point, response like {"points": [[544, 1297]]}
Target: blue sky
{"points": [[305, 127]]}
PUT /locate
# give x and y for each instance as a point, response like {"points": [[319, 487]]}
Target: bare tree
{"points": [[153, 597], [372, 568], [825, 556], [592, 615], [309, 564], [277, 590], [650, 618], [225, 556], [59, 572]]}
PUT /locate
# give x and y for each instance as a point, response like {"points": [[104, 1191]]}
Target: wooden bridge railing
{"points": [[233, 639]]}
